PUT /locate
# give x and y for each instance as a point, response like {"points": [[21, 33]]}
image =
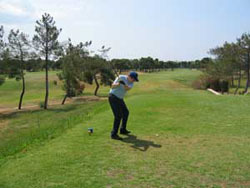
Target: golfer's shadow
{"points": [[141, 145]]}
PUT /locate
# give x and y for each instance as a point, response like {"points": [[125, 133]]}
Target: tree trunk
{"points": [[64, 99], [23, 91], [46, 71], [239, 81], [97, 85], [115, 72], [47, 83], [113, 68], [248, 73], [232, 81]]}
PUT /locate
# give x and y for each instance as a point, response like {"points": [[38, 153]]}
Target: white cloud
{"points": [[12, 9], [62, 9], [73, 16]]}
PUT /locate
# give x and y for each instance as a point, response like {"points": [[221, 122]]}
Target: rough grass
{"points": [[21, 129], [181, 138]]}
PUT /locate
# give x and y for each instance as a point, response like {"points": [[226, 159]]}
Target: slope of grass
{"points": [[180, 138], [25, 128], [35, 90]]}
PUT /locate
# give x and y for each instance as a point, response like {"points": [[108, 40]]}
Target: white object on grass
{"points": [[214, 92]]}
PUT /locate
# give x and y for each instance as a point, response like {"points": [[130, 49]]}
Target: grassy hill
{"points": [[180, 138]]}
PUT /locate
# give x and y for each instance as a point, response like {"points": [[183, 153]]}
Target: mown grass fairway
{"points": [[180, 138]]}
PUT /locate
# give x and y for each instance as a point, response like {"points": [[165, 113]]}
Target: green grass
{"points": [[25, 128], [35, 90], [181, 138], [241, 88]]}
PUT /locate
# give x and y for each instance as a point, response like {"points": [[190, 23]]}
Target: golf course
{"points": [[180, 137]]}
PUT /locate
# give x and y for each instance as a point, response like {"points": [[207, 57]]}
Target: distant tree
{"points": [[196, 64], [146, 63], [104, 55], [71, 84], [205, 62], [34, 65], [232, 55], [46, 42], [171, 64], [237, 63], [184, 64], [2, 44], [232, 58], [227, 64], [19, 49], [156, 64], [2, 48], [135, 64], [73, 68], [2, 79], [222, 67], [161, 64], [244, 43], [120, 65], [97, 67]]}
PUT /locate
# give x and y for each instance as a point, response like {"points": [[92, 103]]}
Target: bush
{"points": [[201, 82], [206, 81], [2, 79], [224, 86], [41, 104], [55, 82], [214, 83], [80, 88]]}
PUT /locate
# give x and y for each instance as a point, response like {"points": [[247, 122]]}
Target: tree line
{"points": [[230, 64], [77, 64]]}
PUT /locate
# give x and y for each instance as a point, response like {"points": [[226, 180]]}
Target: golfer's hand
{"points": [[115, 85], [126, 87]]}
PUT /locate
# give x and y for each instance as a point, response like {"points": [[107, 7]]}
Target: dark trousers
{"points": [[120, 112]]}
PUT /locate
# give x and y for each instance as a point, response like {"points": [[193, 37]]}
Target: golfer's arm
{"points": [[115, 85], [127, 87]]}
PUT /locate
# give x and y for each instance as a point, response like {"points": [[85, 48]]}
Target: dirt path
{"points": [[10, 110]]}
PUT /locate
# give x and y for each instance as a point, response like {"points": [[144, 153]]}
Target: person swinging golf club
{"points": [[120, 86]]}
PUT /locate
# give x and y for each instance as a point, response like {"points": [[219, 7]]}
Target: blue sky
{"points": [[164, 29]]}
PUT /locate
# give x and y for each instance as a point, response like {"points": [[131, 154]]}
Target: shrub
{"points": [[2, 79], [224, 86], [213, 83], [41, 104], [55, 82], [80, 88], [201, 82], [207, 81]]}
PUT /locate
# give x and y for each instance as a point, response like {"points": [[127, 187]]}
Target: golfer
{"points": [[120, 86]]}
